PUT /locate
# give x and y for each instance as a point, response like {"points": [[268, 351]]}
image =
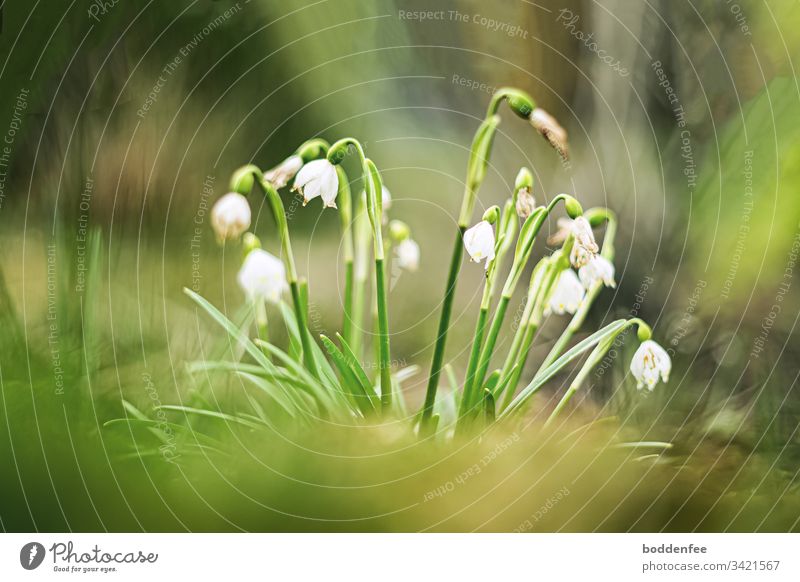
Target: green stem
{"points": [[347, 323], [491, 340], [477, 343], [441, 335], [361, 271], [279, 214], [383, 325], [346, 217], [516, 373], [262, 324]]}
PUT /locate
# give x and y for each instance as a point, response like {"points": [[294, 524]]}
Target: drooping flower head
{"points": [[598, 268], [567, 295], [585, 247], [551, 130], [408, 255], [479, 242], [262, 276], [318, 178], [649, 363], [526, 203], [281, 174], [230, 216]]}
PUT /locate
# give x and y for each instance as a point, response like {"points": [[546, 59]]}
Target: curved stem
{"points": [[279, 214]]}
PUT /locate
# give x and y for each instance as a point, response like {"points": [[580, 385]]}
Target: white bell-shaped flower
{"points": [[262, 276], [567, 295], [585, 247], [479, 242], [598, 268], [281, 174], [318, 178], [407, 253], [649, 363], [230, 216]]}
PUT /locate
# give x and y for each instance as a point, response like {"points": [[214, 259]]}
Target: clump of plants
{"points": [[314, 380]]}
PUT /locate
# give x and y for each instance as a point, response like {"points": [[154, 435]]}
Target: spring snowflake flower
{"points": [[318, 178], [551, 130], [408, 255], [567, 294], [230, 216], [526, 203], [598, 268], [262, 276], [649, 363], [281, 174], [585, 247], [479, 242]]}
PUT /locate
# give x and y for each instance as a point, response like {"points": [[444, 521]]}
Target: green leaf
{"points": [[212, 414], [545, 375], [358, 391]]}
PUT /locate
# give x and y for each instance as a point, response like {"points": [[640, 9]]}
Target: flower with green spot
{"points": [[649, 363], [585, 247], [318, 179], [598, 268], [480, 242], [567, 295]]}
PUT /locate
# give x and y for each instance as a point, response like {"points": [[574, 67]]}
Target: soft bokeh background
{"points": [[709, 214]]}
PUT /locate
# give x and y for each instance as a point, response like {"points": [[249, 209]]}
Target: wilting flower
{"points": [[230, 216], [649, 363], [280, 175], [479, 241], [526, 203], [262, 276], [567, 294], [408, 255], [585, 247], [598, 268], [318, 178], [550, 129]]}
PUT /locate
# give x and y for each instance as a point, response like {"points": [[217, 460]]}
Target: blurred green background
{"points": [[122, 122]]}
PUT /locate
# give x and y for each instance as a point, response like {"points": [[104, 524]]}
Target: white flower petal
{"points": [[479, 242], [230, 216], [408, 255], [649, 363], [318, 178], [567, 294], [262, 276], [598, 268]]}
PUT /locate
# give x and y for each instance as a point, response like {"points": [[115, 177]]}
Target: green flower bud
{"points": [[524, 179], [644, 332], [520, 103], [338, 152], [399, 230], [250, 242], [312, 149], [492, 214], [242, 180], [573, 207]]}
